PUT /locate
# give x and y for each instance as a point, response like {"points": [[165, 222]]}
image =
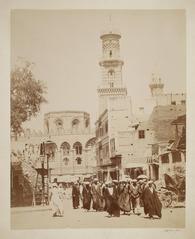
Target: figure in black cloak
{"points": [[86, 193], [152, 204], [104, 188], [96, 195], [141, 187], [75, 195], [112, 200], [125, 200]]}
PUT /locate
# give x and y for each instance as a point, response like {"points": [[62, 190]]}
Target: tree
{"points": [[26, 95]]}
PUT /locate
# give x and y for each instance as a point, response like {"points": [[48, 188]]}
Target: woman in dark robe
{"points": [[152, 204], [111, 195], [75, 195], [104, 195], [86, 193], [96, 195], [125, 199], [141, 187]]}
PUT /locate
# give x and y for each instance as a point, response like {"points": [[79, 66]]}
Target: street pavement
{"points": [[40, 217]]}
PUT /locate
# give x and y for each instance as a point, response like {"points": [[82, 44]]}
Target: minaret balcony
{"points": [[113, 91], [111, 62]]}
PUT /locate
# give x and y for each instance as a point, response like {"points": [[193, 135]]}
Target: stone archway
{"points": [[91, 142]]}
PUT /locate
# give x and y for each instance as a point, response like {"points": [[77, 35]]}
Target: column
{"points": [[73, 160], [58, 161]]}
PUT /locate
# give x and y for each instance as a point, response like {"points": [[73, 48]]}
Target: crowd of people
{"points": [[114, 197]]}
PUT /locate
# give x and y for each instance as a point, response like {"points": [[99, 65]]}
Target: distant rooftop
{"points": [[67, 111], [161, 120]]}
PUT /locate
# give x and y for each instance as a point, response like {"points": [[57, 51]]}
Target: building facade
{"points": [[69, 145]]}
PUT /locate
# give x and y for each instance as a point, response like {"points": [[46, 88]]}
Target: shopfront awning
{"points": [[135, 165]]}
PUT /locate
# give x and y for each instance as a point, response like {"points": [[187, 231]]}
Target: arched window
{"points": [[75, 124], [65, 148], [59, 123], [79, 161], [111, 75], [66, 160], [78, 148]]}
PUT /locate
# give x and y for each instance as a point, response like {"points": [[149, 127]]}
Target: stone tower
{"points": [[156, 86], [111, 71]]}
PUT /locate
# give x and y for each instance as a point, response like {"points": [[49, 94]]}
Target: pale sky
{"points": [[66, 48]]}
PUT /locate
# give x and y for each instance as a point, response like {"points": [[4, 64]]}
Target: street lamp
{"points": [[44, 152], [42, 156]]}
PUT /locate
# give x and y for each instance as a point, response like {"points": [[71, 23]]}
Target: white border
{"points": [[5, 7]]}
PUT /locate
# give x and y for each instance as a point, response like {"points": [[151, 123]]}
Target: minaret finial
{"points": [[110, 22]]}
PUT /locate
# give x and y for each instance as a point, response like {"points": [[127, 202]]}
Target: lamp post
{"points": [[48, 154], [44, 153], [43, 183], [48, 177]]}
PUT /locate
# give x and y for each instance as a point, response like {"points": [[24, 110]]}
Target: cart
{"points": [[173, 192]]}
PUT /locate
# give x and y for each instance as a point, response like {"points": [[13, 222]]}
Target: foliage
{"points": [[26, 96]]}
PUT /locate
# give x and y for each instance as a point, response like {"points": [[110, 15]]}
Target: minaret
{"points": [[111, 70], [156, 86]]}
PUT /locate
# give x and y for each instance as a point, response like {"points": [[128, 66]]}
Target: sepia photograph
{"points": [[98, 119]]}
